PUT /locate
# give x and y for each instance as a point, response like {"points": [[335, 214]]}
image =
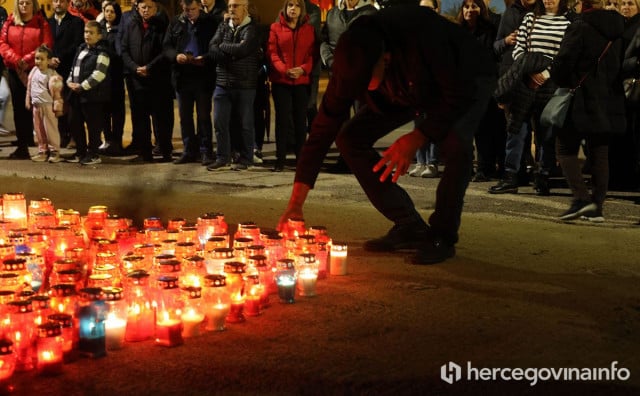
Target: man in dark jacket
{"points": [[235, 49], [67, 31], [148, 75], [399, 62], [186, 45]]}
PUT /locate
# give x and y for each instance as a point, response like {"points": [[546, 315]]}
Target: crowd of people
{"points": [[218, 55]]}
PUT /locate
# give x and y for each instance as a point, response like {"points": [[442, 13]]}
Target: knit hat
{"points": [[357, 51]]}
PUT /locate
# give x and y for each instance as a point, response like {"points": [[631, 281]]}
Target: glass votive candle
{"points": [[216, 260], [41, 305], [68, 218], [90, 314], [192, 313], [217, 302], [151, 222], [116, 322], [322, 257], [65, 322], [140, 310], [175, 224], [216, 242], [307, 279], [14, 208], [185, 249], [50, 357], [7, 251], [234, 271], [285, 278], [295, 227], [168, 246], [188, 233], [193, 272], [338, 259], [63, 298], [7, 362], [207, 225], [22, 331], [135, 262], [252, 306], [168, 330]]}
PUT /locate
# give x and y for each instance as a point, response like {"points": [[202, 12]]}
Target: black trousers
{"points": [[22, 118], [91, 114]]}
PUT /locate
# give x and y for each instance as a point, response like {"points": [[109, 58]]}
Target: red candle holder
{"points": [[140, 312], [22, 331], [68, 335], [7, 364], [50, 356], [216, 302]]}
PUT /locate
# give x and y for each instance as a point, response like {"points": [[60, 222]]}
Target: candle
{"points": [[216, 315], [168, 331], [307, 280], [49, 349], [191, 321], [286, 289], [237, 307], [140, 323], [252, 305], [338, 259], [115, 328]]}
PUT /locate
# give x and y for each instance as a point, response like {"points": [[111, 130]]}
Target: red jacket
{"points": [[20, 42], [290, 48]]}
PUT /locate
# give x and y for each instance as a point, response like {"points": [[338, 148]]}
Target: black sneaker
{"points": [[400, 237], [90, 159], [504, 186], [219, 166], [185, 159], [579, 208], [434, 251], [207, 159], [239, 167]]}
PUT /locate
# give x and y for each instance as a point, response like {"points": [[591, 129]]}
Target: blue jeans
{"points": [[427, 155], [200, 140], [545, 148], [358, 135], [228, 101]]}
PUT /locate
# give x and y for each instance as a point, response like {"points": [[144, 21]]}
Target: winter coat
{"points": [[20, 41], [144, 48], [66, 39], [3, 18], [177, 39], [101, 93], [510, 21], [337, 22], [598, 105], [290, 48], [237, 55]]}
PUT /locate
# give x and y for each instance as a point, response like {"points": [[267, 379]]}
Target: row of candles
{"points": [[75, 285]]}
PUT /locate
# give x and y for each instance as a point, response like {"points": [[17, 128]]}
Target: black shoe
{"points": [[278, 168], [21, 153], [156, 151], [185, 159], [579, 208], [113, 151], [541, 185], [400, 237], [141, 159], [219, 166], [507, 185], [130, 150], [436, 250], [480, 177], [165, 159], [207, 159]]}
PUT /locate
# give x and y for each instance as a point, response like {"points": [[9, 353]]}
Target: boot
{"points": [[541, 185], [507, 185]]}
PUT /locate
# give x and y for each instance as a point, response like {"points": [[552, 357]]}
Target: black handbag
{"points": [[556, 109]]}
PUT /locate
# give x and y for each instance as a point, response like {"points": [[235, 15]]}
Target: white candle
{"points": [[191, 321], [114, 331], [307, 280], [338, 260], [216, 316]]}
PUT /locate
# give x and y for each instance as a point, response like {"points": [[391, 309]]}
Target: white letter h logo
{"points": [[450, 372]]}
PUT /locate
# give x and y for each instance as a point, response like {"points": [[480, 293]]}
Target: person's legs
{"points": [[282, 101], [514, 147], [162, 113], [599, 151], [38, 125], [50, 123], [299, 114], [76, 123], [221, 121], [243, 103], [355, 142], [22, 118], [186, 102], [457, 148], [205, 125], [94, 117], [141, 124], [117, 117]]}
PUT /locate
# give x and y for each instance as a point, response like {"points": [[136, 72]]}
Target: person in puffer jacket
{"points": [[292, 55]]}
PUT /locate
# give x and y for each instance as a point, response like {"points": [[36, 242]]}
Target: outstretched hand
{"points": [[289, 213], [399, 155]]}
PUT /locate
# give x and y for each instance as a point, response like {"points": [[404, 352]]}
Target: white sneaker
{"points": [[256, 159], [40, 157], [54, 157], [430, 171], [417, 170], [105, 145]]}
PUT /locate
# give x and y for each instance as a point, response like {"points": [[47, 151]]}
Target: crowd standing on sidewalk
{"points": [[216, 56]]}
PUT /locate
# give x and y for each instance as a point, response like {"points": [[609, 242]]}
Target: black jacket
{"points": [[433, 70], [144, 48], [510, 21], [237, 56], [175, 42], [66, 39], [102, 91], [598, 105]]}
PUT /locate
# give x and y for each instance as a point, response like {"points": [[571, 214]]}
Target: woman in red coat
{"points": [[292, 52], [24, 31]]}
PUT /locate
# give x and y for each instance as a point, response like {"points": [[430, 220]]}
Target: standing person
{"points": [[90, 91], [538, 40], [44, 89], [186, 46], [292, 54], [114, 115], [23, 32], [215, 9], [398, 61], [4, 87], [148, 75], [314, 20], [598, 106], [67, 31], [235, 49], [491, 135]]}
